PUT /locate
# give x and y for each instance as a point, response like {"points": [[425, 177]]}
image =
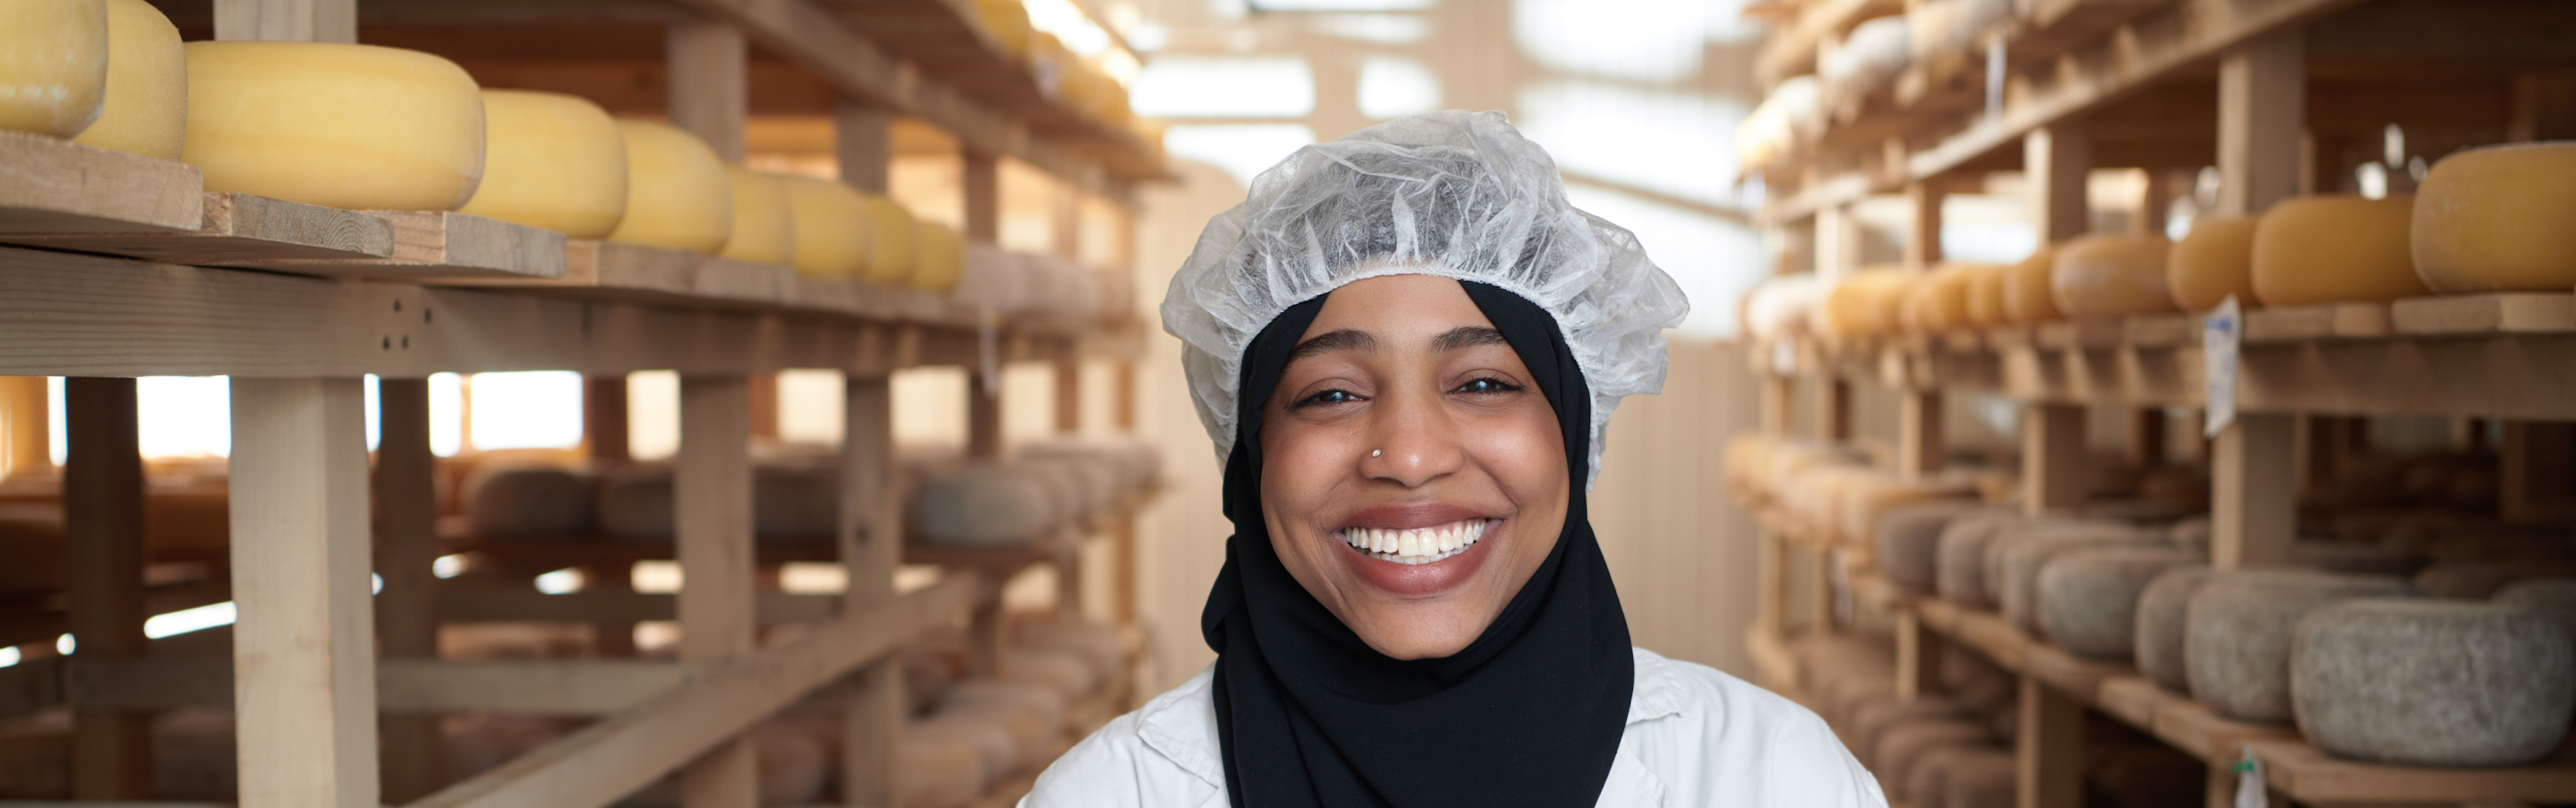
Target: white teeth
{"points": [[1415, 546]]}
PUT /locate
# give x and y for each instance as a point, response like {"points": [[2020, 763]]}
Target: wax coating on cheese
{"points": [[53, 65], [764, 230], [551, 161], [891, 252], [2111, 276], [1865, 303], [1986, 294], [146, 111], [833, 227], [2214, 260], [943, 257], [345, 126], [677, 194], [2496, 219], [2333, 249], [2028, 297]]}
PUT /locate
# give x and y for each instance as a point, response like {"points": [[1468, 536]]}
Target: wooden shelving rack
{"points": [[115, 266], [2274, 93]]}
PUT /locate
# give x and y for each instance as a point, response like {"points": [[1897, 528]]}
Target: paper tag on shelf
{"points": [[2249, 771], [1784, 358], [2221, 332]]}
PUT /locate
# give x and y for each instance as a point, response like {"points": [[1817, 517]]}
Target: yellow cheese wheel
{"points": [[1866, 302], [2111, 276], [2499, 218], [53, 65], [943, 257], [1007, 23], [2214, 260], [2333, 249], [832, 226], [1939, 301], [677, 194], [147, 84], [764, 230], [2027, 296], [891, 255], [551, 161], [344, 126], [1986, 294]]}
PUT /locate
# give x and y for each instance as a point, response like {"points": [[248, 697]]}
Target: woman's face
{"points": [[1413, 477]]}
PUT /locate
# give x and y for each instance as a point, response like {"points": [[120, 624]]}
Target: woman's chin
{"points": [[1420, 579]]}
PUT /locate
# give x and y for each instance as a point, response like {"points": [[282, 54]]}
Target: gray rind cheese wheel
{"points": [[1898, 748], [985, 506], [2088, 599], [1984, 780], [1960, 564], [2023, 560], [1925, 783], [2426, 682], [1998, 583], [635, 504], [2159, 631], [1872, 718], [933, 772], [2553, 598], [530, 502], [2237, 632], [2479, 580], [1909, 540]]}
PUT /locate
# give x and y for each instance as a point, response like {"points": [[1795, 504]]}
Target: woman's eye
{"points": [[1488, 384], [1328, 397]]}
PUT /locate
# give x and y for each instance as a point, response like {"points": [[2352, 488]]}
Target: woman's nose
{"points": [[1415, 441]]}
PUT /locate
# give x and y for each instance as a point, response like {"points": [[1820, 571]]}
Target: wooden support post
{"points": [[1918, 657], [1833, 409], [2262, 108], [2312, 453], [2155, 200], [711, 493], [2146, 445], [1838, 234], [764, 404], [983, 417], [983, 180], [2049, 748], [1779, 402], [2537, 473], [1771, 582], [287, 20], [863, 137], [2544, 106], [871, 537], [2253, 511], [26, 439], [603, 420], [103, 526], [2053, 457], [1923, 244], [2057, 158], [1820, 596], [1122, 533], [406, 511], [1068, 395], [1918, 433], [304, 663], [708, 96]]}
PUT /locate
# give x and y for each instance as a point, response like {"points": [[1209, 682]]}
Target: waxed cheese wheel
{"points": [[345, 126], [1007, 23], [1986, 294], [2111, 276], [891, 254], [1939, 301], [1865, 303], [2333, 249], [53, 65], [2027, 296], [146, 111], [677, 193], [764, 228], [551, 161], [832, 231], [942, 260], [2423, 682], [2214, 260], [2238, 630], [2496, 219]]}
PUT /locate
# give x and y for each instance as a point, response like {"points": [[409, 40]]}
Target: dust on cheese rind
{"points": [[2335, 249], [2496, 219], [146, 109], [551, 161], [53, 65], [2111, 276], [358, 127], [833, 229], [2214, 260], [764, 226], [677, 194]]}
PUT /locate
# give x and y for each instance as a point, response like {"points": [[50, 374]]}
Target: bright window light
{"points": [[560, 582], [1383, 29], [1069, 25], [1226, 87], [1341, 5], [447, 566], [66, 644], [809, 406], [654, 577], [1640, 40], [1243, 150], [653, 414], [526, 410], [1711, 258], [188, 620], [375, 429], [1647, 139], [446, 414], [56, 435], [185, 416], [375, 584], [813, 578], [9, 656], [1393, 88]]}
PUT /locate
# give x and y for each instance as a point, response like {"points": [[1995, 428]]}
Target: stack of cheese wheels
{"points": [[53, 65], [1007, 23], [1938, 301], [146, 111], [345, 126], [764, 228], [2335, 249], [831, 222], [942, 257], [2027, 297], [677, 194], [2111, 276], [993, 280], [551, 161], [1865, 303], [2426, 682], [891, 253], [2496, 219], [2214, 260], [2088, 599], [2238, 629], [1986, 294]]}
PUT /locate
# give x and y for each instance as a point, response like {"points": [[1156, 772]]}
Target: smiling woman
{"points": [[1407, 347]]}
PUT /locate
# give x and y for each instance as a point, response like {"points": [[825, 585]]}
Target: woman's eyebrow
{"points": [[1467, 336], [1327, 342]]}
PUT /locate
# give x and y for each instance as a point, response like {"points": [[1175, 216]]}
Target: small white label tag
{"points": [[2221, 332], [1784, 358], [2250, 792]]}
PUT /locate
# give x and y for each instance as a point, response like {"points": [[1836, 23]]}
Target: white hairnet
{"points": [[1455, 194]]}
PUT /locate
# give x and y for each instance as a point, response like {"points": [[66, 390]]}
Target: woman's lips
{"points": [[1414, 546], [1417, 561]]}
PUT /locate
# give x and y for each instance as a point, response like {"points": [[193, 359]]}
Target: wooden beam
{"points": [[711, 494], [287, 20], [2262, 109], [303, 646], [1833, 409], [863, 138], [1923, 240], [604, 427], [1918, 657], [983, 195], [2053, 455], [2253, 509], [1919, 442], [103, 531], [597, 604], [871, 542], [2049, 748], [405, 688], [709, 97], [26, 435], [406, 533], [2057, 159]]}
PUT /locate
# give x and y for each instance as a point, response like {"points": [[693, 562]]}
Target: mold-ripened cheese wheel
{"points": [[551, 161], [942, 257], [764, 228], [2424, 682], [2159, 631], [2111, 276], [1865, 303], [1925, 782], [2554, 598], [2238, 629], [53, 65], [1986, 294], [1898, 748], [987, 506], [2214, 260], [937, 771], [677, 193], [2088, 599], [1960, 570], [2332, 249], [2023, 561], [2027, 297], [345, 126], [146, 111], [2495, 219], [891, 255], [529, 502], [1872, 718], [1984, 780], [1909, 540], [832, 226]]}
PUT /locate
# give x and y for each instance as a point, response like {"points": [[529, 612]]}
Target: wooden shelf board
{"points": [[2074, 675], [2492, 313], [1991, 633], [2160, 330], [2084, 334], [2317, 322], [237, 228], [2309, 775], [53, 186], [431, 245]]}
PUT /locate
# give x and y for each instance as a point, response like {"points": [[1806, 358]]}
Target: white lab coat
{"points": [[1695, 737]]}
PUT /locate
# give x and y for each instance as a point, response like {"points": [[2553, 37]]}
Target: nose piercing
{"points": [[1376, 452]]}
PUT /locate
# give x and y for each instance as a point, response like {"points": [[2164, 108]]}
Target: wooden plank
{"points": [[2049, 748], [2192, 728], [1918, 657], [1918, 433], [405, 490], [2070, 674], [2132, 699], [26, 439], [2492, 313], [496, 604], [2318, 321], [723, 279], [547, 687], [863, 139], [303, 647], [711, 498], [2057, 158], [53, 186], [1991, 633], [2262, 108], [2253, 509], [241, 227], [2311, 776], [441, 244], [708, 94], [609, 760], [103, 536], [870, 542], [2054, 477]]}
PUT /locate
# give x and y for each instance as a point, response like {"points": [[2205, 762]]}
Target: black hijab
{"points": [[1309, 715]]}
